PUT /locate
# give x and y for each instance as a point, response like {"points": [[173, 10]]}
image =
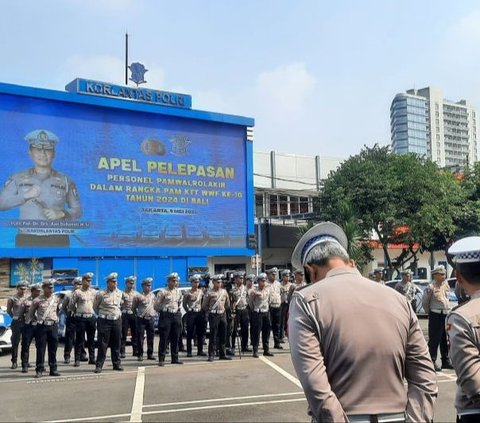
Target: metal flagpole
{"points": [[126, 58]]}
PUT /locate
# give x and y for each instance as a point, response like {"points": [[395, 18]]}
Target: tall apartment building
{"points": [[425, 123]]}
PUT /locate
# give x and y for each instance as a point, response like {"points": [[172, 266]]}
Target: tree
{"points": [[401, 199]]}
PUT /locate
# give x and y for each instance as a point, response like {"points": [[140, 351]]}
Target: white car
{"points": [[5, 331]]}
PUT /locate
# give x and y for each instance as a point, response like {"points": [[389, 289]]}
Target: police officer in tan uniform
{"points": [[275, 303], [167, 305], [44, 310], [41, 193], [143, 308], [81, 306], [436, 303], [352, 356], [463, 330], [109, 324], [70, 323], [240, 314], [14, 305], [215, 303], [128, 316], [285, 286], [260, 304], [298, 282], [408, 288], [192, 303], [29, 326]]}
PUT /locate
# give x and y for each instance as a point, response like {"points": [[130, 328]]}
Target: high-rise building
{"points": [[425, 123]]}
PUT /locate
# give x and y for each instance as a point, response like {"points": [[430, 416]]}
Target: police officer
{"points": [[260, 303], [85, 322], [41, 193], [378, 275], [352, 360], [109, 324], [407, 288], [170, 319], [239, 304], [128, 316], [463, 329], [44, 310], [298, 282], [14, 306], [192, 303], [436, 303], [29, 326], [215, 303], [275, 303], [284, 291], [143, 308], [70, 323]]}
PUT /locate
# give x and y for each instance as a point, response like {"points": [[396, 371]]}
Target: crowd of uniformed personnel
{"points": [[237, 312]]}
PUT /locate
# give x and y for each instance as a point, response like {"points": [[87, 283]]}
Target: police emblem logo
{"points": [[180, 145], [138, 73], [153, 147]]}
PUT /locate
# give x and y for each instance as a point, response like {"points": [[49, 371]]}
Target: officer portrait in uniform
{"points": [[41, 193]]}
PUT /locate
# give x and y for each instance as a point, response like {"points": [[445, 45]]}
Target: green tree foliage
{"points": [[401, 199]]}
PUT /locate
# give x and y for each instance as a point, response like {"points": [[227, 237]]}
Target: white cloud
{"points": [[286, 88]]}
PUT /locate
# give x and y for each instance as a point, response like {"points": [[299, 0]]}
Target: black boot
{"points": [[446, 363]]}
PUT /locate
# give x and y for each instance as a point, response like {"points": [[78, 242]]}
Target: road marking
{"points": [[137, 405], [203, 401], [84, 419], [291, 378], [212, 407]]}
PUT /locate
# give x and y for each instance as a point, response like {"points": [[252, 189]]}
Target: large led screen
{"points": [[76, 175]]}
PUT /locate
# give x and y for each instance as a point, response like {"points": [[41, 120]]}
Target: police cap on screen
{"points": [[41, 138]]}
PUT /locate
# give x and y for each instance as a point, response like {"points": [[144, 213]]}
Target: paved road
{"points": [[244, 389]]}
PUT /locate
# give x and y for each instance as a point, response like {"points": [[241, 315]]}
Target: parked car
{"points": [[422, 284], [5, 331]]}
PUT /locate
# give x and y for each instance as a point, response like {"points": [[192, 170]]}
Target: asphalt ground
{"points": [[241, 390]]}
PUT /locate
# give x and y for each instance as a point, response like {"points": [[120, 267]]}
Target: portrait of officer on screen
{"points": [[42, 194]]}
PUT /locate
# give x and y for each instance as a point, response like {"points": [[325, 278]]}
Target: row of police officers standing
{"points": [[233, 312]]}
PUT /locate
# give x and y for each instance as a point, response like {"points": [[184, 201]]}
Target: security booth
{"points": [[104, 178]]}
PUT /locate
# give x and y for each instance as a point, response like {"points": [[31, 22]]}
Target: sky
{"points": [[317, 76]]}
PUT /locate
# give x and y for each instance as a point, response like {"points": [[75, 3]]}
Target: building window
{"points": [[273, 205], [259, 211], [283, 199], [304, 204], [294, 205]]}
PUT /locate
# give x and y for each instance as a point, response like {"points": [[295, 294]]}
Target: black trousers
{"points": [[218, 334], [46, 335], [28, 335], [109, 335], [128, 322], [242, 320], [195, 328], [17, 328], [437, 335], [169, 329], [283, 320], [228, 341], [275, 324], [260, 323], [142, 326], [85, 327], [69, 336], [469, 418]]}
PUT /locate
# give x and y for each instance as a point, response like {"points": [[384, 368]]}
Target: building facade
{"points": [[444, 131]]}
